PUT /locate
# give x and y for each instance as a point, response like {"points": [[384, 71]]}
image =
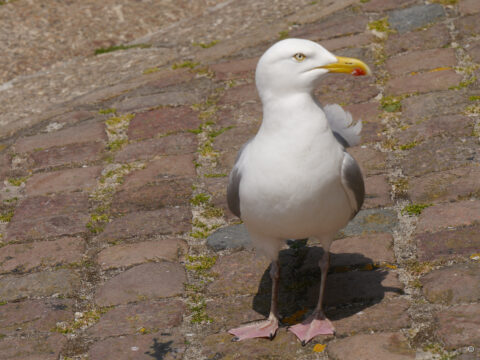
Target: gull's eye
{"points": [[299, 57]]}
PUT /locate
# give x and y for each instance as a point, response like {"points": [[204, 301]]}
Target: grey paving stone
{"points": [[230, 237], [371, 221], [414, 17]]}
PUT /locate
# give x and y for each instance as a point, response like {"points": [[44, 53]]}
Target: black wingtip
{"points": [[271, 336], [235, 339], [304, 343]]}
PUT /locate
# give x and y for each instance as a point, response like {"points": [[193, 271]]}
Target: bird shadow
{"points": [[353, 284]]}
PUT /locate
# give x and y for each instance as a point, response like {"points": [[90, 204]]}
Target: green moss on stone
{"points": [[120, 47], [415, 209]]}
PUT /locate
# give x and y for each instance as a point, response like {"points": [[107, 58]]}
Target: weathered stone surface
{"points": [[25, 257], [173, 98], [362, 250], [383, 5], [453, 285], [241, 134], [147, 281], [161, 169], [445, 185], [474, 52], [377, 192], [392, 346], [129, 319], [434, 37], [368, 113], [41, 347], [162, 121], [239, 95], [45, 283], [141, 347], [84, 178], [183, 143], [246, 114], [153, 196], [347, 41], [34, 315], [448, 243], [414, 17], [351, 89], [371, 221], [441, 216], [467, 7], [230, 237], [413, 62], [372, 162], [459, 326], [425, 82], [165, 221], [468, 25], [86, 132], [126, 255], [73, 153], [70, 117], [236, 69], [43, 216]]}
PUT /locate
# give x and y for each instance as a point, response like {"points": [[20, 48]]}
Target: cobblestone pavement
{"points": [[116, 242]]}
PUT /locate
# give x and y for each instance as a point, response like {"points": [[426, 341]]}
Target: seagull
{"points": [[294, 179]]}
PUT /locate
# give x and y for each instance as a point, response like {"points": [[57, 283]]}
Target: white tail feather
{"points": [[341, 122]]}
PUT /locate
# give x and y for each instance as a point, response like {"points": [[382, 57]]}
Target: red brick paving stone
{"points": [[141, 347], [160, 169], [172, 192], [4, 166], [236, 69], [165, 120], [245, 114], [46, 283], [459, 326], [336, 25], [34, 315], [468, 7], [74, 153], [83, 133], [474, 52], [384, 5], [25, 257], [448, 243], [170, 77], [453, 285], [445, 185], [447, 125], [347, 42], [240, 94], [43, 216], [425, 82], [441, 216], [72, 117], [234, 138], [174, 220], [468, 25], [391, 346], [362, 250], [126, 255], [129, 319], [170, 98], [39, 347], [350, 89], [184, 143], [239, 273], [84, 178], [415, 61], [434, 37], [377, 192], [373, 318], [143, 282], [371, 161]]}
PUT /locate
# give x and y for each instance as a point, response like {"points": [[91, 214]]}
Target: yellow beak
{"points": [[348, 65]]}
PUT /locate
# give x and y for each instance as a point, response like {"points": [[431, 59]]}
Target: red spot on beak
{"points": [[358, 72]]}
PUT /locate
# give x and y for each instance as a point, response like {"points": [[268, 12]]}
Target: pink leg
{"points": [[317, 323], [264, 328]]}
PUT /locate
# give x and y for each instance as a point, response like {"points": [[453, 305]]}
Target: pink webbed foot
{"points": [[311, 327], [264, 328]]}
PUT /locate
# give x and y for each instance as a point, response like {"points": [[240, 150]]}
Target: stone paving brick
{"points": [[233, 237], [130, 319], [474, 52], [468, 25], [153, 196], [445, 185], [173, 98], [425, 82], [441, 216], [165, 120], [4, 166], [239, 95], [34, 315], [377, 192], [369, 221], [459, 326], [369, 114], [468, 7], [126, 255], [384, 5], [463, 241], [41, 347], [371, 161], [236, 69], [183, 143], [453, 285], [436, 36], [347, 41], [143, 282], [244, 115], [392, 346], [351, 89], [141, 347], [70, 117], [414, 17], [44, 216], [84, 178], [142, 224], [47, 283], [414, 61], [74, 153], [25, 257], [241, 134], [169, 77]]}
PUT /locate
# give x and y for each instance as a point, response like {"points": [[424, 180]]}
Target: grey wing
{"points": [[233, 188], [352, 181]]}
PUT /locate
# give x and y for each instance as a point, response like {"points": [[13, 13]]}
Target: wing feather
{"points": [[352, 181], [341, 123]]}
